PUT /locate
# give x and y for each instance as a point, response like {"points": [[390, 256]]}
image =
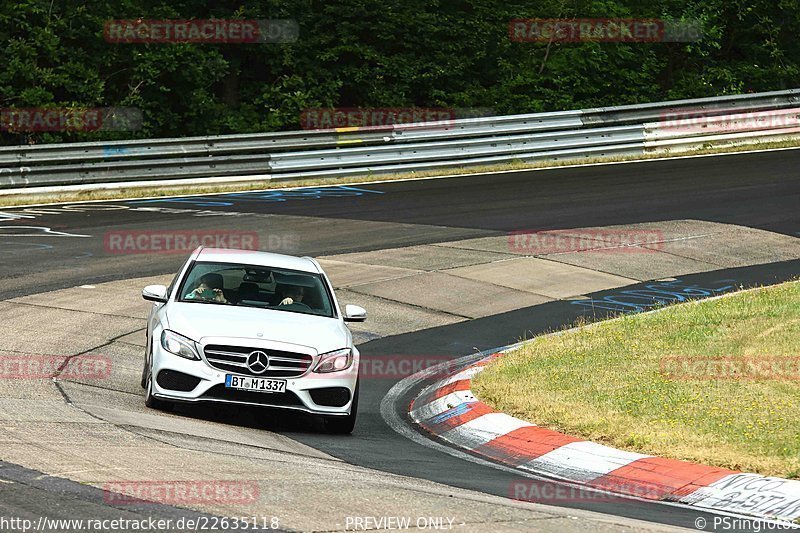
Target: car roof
{"points": [[256, 258]]}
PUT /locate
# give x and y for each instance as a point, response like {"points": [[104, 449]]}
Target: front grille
{"points": [[221, 392], [178, 381], [331, 396], [234, 359]]}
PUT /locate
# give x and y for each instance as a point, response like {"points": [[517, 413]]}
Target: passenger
{"points": [[208, 288]]}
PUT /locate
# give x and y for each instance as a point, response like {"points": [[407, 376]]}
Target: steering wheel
{"points": [[296, 305]]}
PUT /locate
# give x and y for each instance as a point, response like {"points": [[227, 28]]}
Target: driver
{"points": [[205, 290], [292, 295]]}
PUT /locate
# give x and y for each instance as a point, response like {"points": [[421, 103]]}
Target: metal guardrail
{"points": [[633, 129]]}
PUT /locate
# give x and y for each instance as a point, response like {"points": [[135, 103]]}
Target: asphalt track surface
{"points": [[760, 190]]}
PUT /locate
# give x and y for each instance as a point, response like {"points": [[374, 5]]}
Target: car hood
{"points": [[198, 321]]}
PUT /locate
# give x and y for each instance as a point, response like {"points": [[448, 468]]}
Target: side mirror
{"points": [[354, 313], [155, 293]]}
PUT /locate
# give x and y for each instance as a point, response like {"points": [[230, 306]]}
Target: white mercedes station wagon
{"points": [[252, 328]]}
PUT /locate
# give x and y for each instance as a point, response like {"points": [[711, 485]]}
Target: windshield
{"points": [[256, 286]]}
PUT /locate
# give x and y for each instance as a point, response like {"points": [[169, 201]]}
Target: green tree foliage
{"points": [[387, 53]]}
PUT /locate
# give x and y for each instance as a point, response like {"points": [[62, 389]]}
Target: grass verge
{"points": [[714, 382], [260, 184]]}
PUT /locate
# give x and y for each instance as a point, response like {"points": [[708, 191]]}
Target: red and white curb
{"points": [[449, 410]]}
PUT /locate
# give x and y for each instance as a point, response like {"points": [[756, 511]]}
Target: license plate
{"points": [[255, 384]]}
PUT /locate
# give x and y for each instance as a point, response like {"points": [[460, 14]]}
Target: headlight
{"points": [[178, 345], [335, 361]]}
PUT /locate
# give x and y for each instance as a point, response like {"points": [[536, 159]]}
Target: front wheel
{"points": [[143, 381], [343, 425]]}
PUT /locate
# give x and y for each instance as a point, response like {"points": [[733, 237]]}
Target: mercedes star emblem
{"points": [[257, 362]]}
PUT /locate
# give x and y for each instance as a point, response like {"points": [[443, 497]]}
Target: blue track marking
{"points": [[459, 409], [225, 200], [654, 295]]}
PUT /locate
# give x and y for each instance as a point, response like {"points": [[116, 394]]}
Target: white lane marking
{"points": [[13, 216], [43, 231]]}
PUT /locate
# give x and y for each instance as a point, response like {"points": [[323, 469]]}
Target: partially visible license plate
{"points": [[255, 384]]}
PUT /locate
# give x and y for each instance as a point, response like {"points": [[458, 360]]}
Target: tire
{"points": [[143, 381], [151, 401], [343, 425]]}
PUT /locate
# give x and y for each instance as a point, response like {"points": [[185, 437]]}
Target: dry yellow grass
{"points": [[608, 382]]}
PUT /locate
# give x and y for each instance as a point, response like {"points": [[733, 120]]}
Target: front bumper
{"points": [[299, 395]]}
